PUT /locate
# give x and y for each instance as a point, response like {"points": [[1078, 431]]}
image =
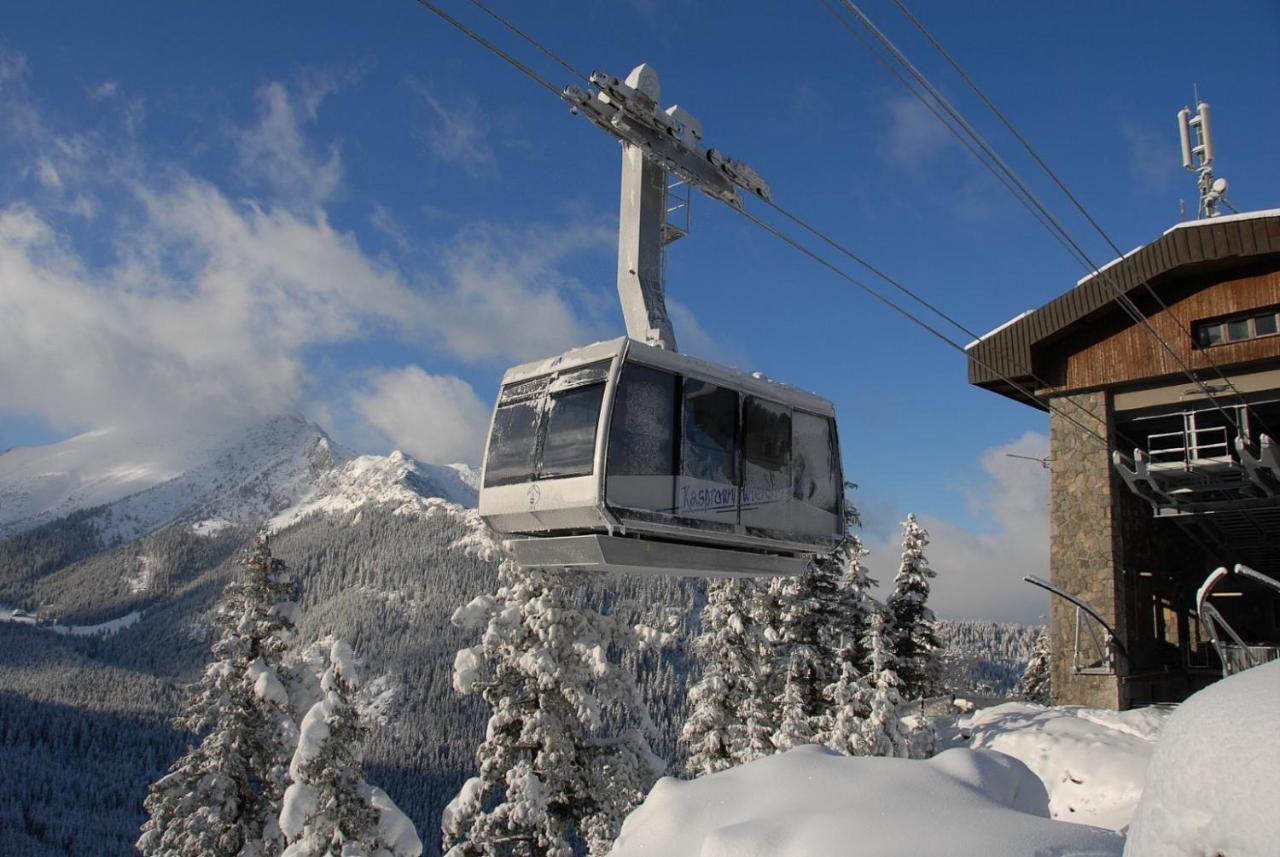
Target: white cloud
{"points": [[1152, 161], [203, 308], [914, 135], [980, 573], [276, 150], [458, 134], [435, 418]]}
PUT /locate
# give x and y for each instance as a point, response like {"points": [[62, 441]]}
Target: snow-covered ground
{"points": [[1093, 763], [1213, 786], [810, 801], [21, 617]]}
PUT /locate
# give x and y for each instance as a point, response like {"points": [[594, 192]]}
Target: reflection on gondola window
{"points": [[512, 444], [642, 436], [710, 429], [571, 419], [766, 449], [812, 462]]}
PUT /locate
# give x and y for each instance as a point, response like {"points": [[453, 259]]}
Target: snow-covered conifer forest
{"points": [[88, 701]]}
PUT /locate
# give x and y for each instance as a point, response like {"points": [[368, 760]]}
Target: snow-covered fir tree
{"points": [[1035, 686], [841, 728], [915, 638], [821, 618], [882, 731], [716, 732], [328, 809], [566, 754], [221, 798]]}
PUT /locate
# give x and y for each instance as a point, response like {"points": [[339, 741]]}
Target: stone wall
{"points": [[1084, 542]]}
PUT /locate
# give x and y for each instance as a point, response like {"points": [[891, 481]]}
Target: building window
{"points": [[1238, 329]]}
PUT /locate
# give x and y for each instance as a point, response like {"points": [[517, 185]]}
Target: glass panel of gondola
{"points": [[642, 443], [766, 463], [512, 443], [571, 419], [814, 476], [707, 488]]}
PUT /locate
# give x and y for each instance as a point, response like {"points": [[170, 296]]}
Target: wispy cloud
{"points": [[275, 148], [914, 136], [1153, 156], [457, 133]]}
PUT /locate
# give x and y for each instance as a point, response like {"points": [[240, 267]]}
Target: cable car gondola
{"points": [[628, 457]]}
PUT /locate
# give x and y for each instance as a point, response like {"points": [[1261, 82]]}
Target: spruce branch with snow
{"points": [[567, 750], [222, 796], [328, 809], [915, 638]]}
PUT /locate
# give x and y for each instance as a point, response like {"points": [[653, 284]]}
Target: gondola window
{"points": [[569, 448]]}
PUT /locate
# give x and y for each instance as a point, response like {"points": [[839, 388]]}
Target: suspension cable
{"points": [[973, 85]]}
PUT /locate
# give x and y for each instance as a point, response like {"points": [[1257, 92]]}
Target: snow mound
{"points": [[1093, 763], [395, 480], [1212, 786], [810, 801]]}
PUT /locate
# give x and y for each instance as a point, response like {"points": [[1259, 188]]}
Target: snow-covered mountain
{"points": [[395, 480], [281, 469], [135, 483]]}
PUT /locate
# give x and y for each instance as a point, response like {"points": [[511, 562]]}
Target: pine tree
{"points": [[329, 810], [915, 640], [1035, 685], [566, 754], [848, 708], [717, 730], [882, 730], [221, 798]]}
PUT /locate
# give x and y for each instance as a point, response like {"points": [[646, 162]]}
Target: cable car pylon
{"points": [[628, 456]]}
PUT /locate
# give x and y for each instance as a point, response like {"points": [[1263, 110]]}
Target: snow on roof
{"points": [[995, 330], [1225, 218], [1111, 264]]}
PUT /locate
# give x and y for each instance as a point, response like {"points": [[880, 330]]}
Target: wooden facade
{"points": [[1187, 258], [1103, 358]]}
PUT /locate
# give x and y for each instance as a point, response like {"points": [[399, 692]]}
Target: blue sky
{"points": [[217, 210]]}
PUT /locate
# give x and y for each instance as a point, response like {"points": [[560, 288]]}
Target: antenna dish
{"points": [[1219, 186]]}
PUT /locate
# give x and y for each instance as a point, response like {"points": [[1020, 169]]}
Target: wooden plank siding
{"points": [[1133, 354], [1193, 256]]}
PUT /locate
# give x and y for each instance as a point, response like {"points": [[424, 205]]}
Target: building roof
{"points": [[1193, 247]]}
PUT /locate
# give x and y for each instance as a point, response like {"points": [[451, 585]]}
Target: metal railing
{"points": [[1196, 445]]}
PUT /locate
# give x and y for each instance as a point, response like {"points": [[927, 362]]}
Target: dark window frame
{"points": [[1222, 324]]}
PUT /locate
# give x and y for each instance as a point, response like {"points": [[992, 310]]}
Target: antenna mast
{"points": [[655, 142], [1197, 156]]}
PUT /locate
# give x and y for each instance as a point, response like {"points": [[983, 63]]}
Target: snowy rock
{"points": [[1212, 783], [811, 801], [1093, 763]]}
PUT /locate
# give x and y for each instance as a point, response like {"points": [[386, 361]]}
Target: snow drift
{"points": [[1211, 785], [1092, 762], [811, 801]]}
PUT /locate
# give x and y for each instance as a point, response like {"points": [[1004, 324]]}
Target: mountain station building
{"points": [[1164, 454]]}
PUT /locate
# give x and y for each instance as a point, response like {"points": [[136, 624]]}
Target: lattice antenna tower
{"points": [[1197, 157]]}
